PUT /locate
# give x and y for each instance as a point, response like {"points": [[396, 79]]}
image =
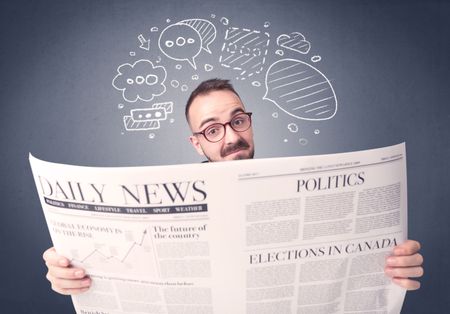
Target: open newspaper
{"points": [[281, 235]]}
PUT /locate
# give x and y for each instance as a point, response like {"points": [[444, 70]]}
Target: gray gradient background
{"points": [[388, 62]]}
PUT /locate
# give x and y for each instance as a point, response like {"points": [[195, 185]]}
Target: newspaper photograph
{"points": [[299, 235]]}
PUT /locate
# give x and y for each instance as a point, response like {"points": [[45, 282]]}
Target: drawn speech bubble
{"points": [[300, 90], [180, 42], [184, 40], [206, 30]]}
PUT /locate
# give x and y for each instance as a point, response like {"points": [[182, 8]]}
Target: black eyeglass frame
{"points": [[224, 125]]}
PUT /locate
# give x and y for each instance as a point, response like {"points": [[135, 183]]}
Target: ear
{"points": [[195, 142]]}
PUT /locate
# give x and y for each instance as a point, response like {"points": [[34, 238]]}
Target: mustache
{"points": [[241, 144]]}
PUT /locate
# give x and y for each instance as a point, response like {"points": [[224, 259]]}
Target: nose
{"points": [[231, 136]]}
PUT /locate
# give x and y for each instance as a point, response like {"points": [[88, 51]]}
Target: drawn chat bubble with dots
{"points": [[140, 80], [144, 119], [300, 90], [180, 42], [205, 29], [183, 41], [244, 50]]}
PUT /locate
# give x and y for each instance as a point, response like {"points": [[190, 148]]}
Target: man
{"points": [[221, 130]]}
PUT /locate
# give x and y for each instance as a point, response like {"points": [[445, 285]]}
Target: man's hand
{"points": [[405, 263], [64, 278]]}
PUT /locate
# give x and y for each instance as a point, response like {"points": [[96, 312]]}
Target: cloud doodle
{"points": [[140, 80], [294, 41]]}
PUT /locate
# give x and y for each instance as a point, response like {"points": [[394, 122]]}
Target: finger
{"points": [[405, 261], [59, 283], [408, 247], [407, 283], [66, 272], [51, 257], [404, 272], [69, 291]]}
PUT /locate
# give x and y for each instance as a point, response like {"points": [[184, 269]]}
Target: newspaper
{"points": [[281, 235]]}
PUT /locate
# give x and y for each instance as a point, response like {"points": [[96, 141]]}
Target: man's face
{"points": [[219, 107]]}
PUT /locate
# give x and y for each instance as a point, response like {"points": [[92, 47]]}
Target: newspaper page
{"points": [[281, 235]]}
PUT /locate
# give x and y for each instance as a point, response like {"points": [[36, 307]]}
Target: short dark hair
{"points": [[205, 88]]}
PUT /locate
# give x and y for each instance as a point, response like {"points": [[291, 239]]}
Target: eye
{"points": [[238, 121], [213, 130]]}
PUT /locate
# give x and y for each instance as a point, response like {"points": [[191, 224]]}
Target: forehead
{"points": [[216, 106]]}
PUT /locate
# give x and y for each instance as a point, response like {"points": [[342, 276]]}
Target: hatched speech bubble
{"points": [[300, 90]]}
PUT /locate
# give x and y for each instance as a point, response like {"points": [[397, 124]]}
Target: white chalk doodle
{"points": [[145, 43], [208, 67], [300, 90], [316, 58], [296, 88], [294, 41], [245, 51], [205, 29], [147, 118], [292, 127], [140, 80], [183, 41]]}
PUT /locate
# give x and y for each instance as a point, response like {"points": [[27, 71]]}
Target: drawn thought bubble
{"points": [[140, 80], [184, 40], [300, 90]]}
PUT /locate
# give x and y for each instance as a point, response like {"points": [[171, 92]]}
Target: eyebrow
{"points": [[213, 119]]}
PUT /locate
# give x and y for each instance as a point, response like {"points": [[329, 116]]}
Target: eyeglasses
{"points": [[239, 123]]}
